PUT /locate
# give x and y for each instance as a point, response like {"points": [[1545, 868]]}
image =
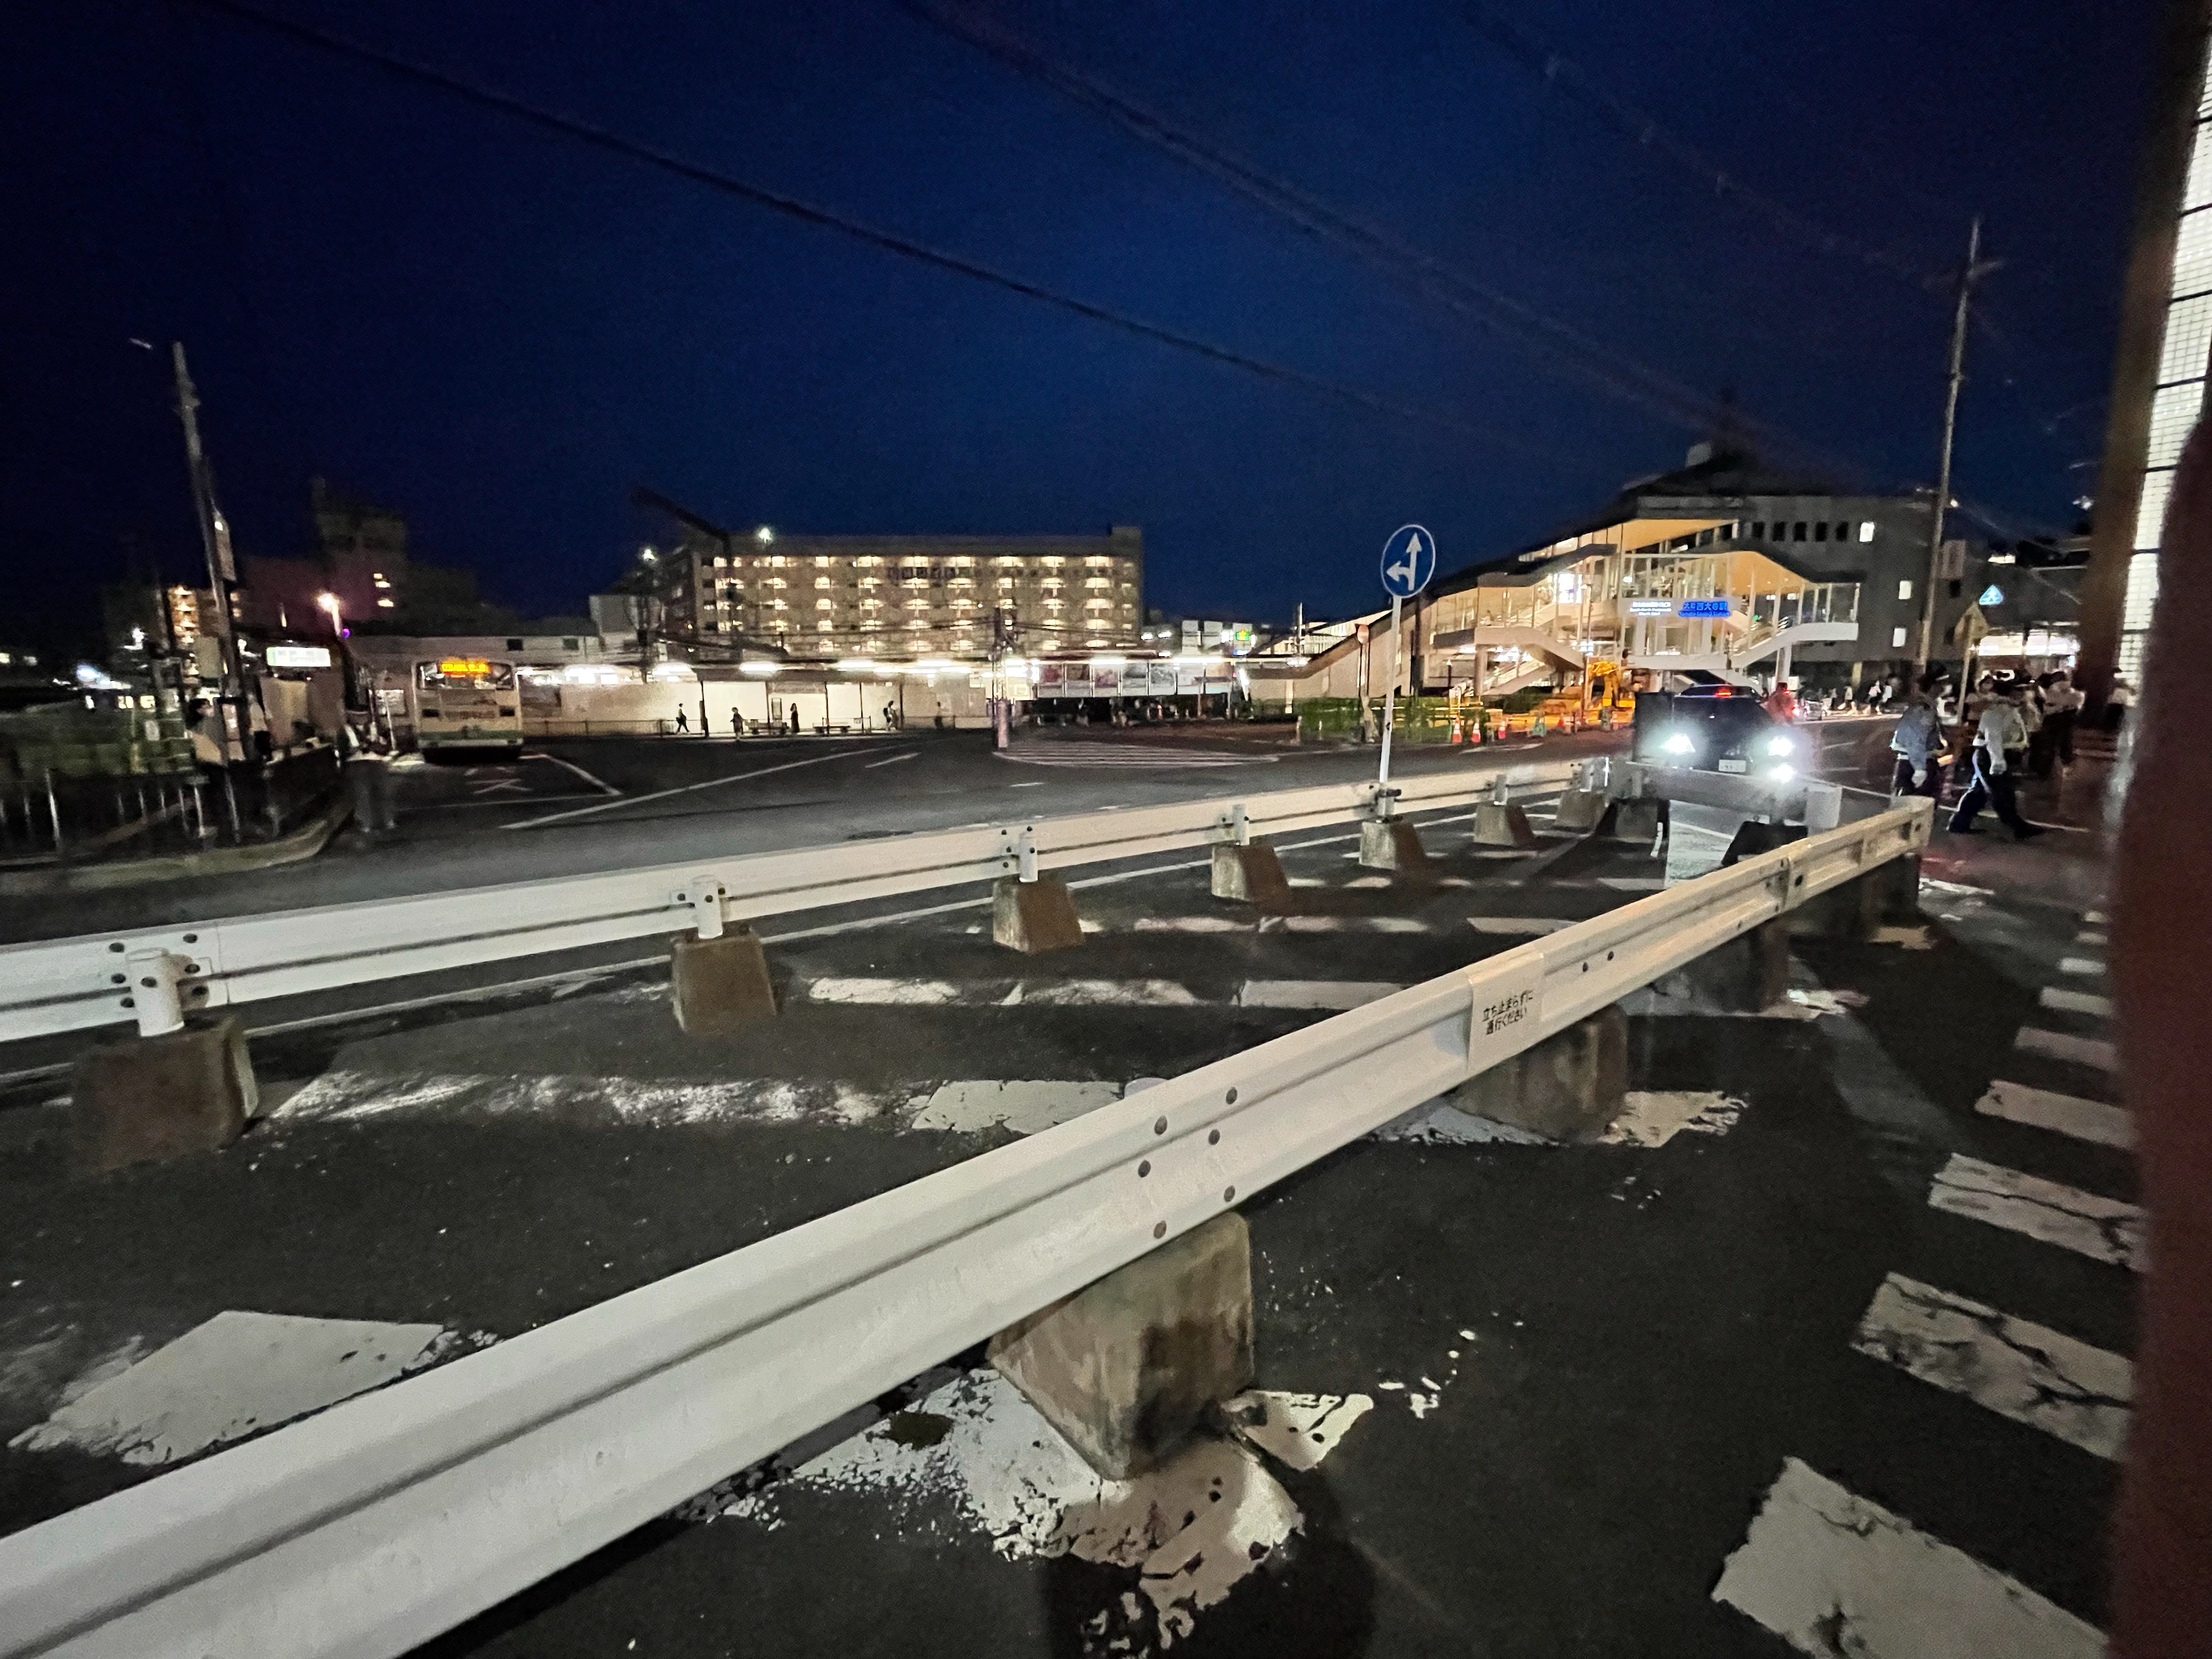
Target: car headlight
{"points": [[1678, 742], [1781, 774], [1778, 745]]}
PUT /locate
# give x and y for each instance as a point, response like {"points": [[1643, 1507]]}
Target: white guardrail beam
{"points": [[69, 984], [368, 1528]]}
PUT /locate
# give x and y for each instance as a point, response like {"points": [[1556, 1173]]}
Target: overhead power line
{"points": [[1468, 297], [1645, 131], [829, 219]]}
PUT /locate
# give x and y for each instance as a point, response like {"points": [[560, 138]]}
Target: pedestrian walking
{"points": [[1917, 743], [2062, 712], [2000, 745], [737, 722], [682, 719], [2117, 702]]}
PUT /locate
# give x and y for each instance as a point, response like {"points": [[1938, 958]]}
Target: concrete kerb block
{"points": [[1392, 844], [1754, 836], [1887, 894], [1034, 916], [1128, 1367], [148, 1099], [721, 985], [1582, 809], [1567, 1087], [1502, 824], [1636, 819], [1751, 973], [1251, 874]]}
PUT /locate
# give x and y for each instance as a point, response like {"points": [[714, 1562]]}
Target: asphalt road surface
{"points": [[1822, 1346]]}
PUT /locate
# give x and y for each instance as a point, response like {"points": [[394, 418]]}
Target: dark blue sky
{"points": [[497, 330]]}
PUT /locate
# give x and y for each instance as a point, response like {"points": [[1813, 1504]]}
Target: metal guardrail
{"points": [[368, 1528], [97, 979]]}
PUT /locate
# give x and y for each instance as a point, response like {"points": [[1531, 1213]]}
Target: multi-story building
{"points": [[842, 596]]}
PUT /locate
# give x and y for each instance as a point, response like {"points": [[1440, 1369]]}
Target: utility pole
{"points": [[215, 541], [1975, 268]]}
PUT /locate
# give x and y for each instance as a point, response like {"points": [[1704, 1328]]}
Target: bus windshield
{"points": [[465, 674]]}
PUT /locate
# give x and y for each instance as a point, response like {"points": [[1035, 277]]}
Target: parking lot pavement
{"points": [[1824, 1343], [457, 797]]}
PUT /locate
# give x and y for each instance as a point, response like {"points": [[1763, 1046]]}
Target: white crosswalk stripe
{"points": [[2066, 1115], [2020, 1369], [2102, 1229], [2058, 998], [2064, 1045]]}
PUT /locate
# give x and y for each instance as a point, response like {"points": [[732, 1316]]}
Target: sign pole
{"points": [[1389, 711]]}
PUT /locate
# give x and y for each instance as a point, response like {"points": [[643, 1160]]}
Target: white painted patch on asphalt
{"points": [[2088, 967], [2093, 1052], [1633, 883], [1911, 938], [1296, 1429], [2095, 918], [1811, 1003], [1510, 926], [891, 760], [1112, 993], [1652, 1118], [1351, 925], [1439, 1123], [1192, 1530], [2067, 1115], [2028, 1372], [343, 1096], [1368, 881], [234, 1376], [1956, 888], [1332, 993], [972, 1105], [2102, 1229], [2058, 998], [919, 992], [1835, 1575], [1190, 924], [2095, 939]]}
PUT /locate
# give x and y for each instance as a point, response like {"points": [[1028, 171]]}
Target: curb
{"points": [[301, 843]]}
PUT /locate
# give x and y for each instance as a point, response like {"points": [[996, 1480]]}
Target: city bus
{"points": [[466, 703]]}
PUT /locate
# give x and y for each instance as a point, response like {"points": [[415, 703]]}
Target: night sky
{"points": [[497, 330]]}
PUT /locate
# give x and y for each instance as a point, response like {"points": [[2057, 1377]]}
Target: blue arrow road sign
{"points": [[1409, 559]]}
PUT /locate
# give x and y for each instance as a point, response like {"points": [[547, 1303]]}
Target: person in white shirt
{"points": [[2000, 745], [2062, 708], [2117, 702]]}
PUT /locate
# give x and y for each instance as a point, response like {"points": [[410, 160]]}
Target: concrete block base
{"points": [[1503, 824], [1128, 1367], [1635, 819], [1034, 916], [1887, 896], [1392, 844], [1251, 875], [1568, 1087], [1747, 975], [149, 1099], [1582, 809], [721, 985]]}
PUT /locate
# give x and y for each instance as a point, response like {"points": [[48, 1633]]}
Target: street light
{"points": [[330, 603]]}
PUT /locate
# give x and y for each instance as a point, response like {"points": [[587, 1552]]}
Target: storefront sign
{"points": [[297, 656], [1702, 608]]}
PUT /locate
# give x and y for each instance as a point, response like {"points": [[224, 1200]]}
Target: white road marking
{"points": [[1650, 1118], [1633, 883], [1832, 1574], [2096, 940], [598, 783], [1191, 925], [1192, 1530], [891, 760], [2024, 1372], [1039, 785], [974, 1104], [2075, 1002], [1112, 993], [2088, 967], [234, 1376], [1912, 939], [2064, 1045], [1512, 925], [898, 993], [1366, 881], [1338, 995], [681, 789], [2068, 1114], [2102, 1229], [1345, 925], [2095, 918]]}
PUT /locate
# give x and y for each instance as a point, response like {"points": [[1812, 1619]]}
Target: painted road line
{"points": [[1104, 993], [598, 783], [1831, 1573], [2102, 1229], [2064, 1045], [1523, 925], [1633, 883], [972, 1105], [891, 760], [2095, 940], [1333, 994], [2075, 1002], [1194, 924], [2095, 918], [1345, 925], [863, 991], [2067, 1115], [2088, 967], [680, 789], [1033, 785], [2028, 1372], [883, 992]]}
